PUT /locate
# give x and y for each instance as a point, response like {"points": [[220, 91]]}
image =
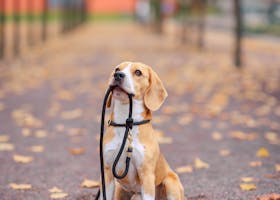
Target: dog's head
{"points": [[140, 80]]}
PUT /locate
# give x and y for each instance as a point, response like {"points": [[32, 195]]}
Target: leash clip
{"points": [[129, 123]]}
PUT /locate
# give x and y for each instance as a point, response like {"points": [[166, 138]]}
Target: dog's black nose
{"points": [[119, 76]]}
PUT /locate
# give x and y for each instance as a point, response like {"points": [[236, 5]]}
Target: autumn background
{"points": [[220, 63]]}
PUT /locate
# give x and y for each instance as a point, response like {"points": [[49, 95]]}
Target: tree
{"points": [[238, 32]]}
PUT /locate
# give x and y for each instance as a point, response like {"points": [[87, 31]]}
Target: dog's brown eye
{"points": [[117, 69], [138, 72]]}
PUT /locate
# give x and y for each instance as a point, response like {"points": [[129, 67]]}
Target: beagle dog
{"points": [[149, 171]]}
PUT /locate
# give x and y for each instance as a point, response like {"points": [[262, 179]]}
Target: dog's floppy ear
{"points": [[109, 101], [155, 93]]}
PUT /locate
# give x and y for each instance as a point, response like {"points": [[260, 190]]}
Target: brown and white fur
{"points": [[148, 170]]}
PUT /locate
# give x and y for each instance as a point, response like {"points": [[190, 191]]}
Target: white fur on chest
{"points": [[112, 148]]}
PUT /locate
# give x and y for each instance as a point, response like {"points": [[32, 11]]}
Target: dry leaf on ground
{"points": [[6, 147], [71, 114], [247, 179], [22, 159], [217, 136], [59, 195], [243, 136], [247, 186], [277, 167], [4, 138], [184, 169], [89, 184], [224, 152], [77, 151], [16, 186], [262, 152], [37, 148], [255, 163], [41, 133], [199, 164], [272, 196], [55, 190]]}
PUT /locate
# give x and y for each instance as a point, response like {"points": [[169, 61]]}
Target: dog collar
{"points": [[112, 123]]}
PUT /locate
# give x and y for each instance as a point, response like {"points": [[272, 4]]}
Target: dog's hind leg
{"points": [[173, 187]]}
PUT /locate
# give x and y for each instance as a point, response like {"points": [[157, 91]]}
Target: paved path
{"points": [[226, 118]]}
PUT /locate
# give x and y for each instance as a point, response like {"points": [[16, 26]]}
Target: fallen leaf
{"points": [[272, 137], [185, 169], [22, 159], [277, 167], [59, 127], [6, 147], [217, 136], [89, 184], [224, 152], [199, 164], [76, 131], [255, 163], [41, 133], [37, 148], [77, 151], [272, 196], [59, 195], [65, 95], [262, 152], [26, 132], [247, 186], [55, 190], [247, 179], [4, 138], [243, 136], [20, 186], [184, 120]]}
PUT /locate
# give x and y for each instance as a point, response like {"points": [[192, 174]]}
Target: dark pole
{"points": [[16, 42], [238, 33], [30, 34], [2, 28], [45, 20], [201, 23]]}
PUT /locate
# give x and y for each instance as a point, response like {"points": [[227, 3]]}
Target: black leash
{"points": [[128, 126]]}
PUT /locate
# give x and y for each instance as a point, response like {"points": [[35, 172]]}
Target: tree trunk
{"points": [[238, 33]]}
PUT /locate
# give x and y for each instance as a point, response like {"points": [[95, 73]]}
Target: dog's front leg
{"points": [[147, 179], [110, 185]]}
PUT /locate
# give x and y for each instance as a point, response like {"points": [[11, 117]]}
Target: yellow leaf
{"points": [[247, 179], [22, 159], [184, 120], [40, 133], [6, 147], [277, 167], [77, 151], [89, 184], [262, 152], [243, 136], [199, 164], [2, 106], [26, 132], [217, 136], [4, 138], [20, 186], [185, 169], [37, 148], [55, 190], [224, 152], [59, 195], [246, 187], [255, 163], [272, 137], [272, 196]]}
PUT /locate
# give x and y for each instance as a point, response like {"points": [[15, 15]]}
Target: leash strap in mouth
{"points": [[112, 123], [127, 135]]}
